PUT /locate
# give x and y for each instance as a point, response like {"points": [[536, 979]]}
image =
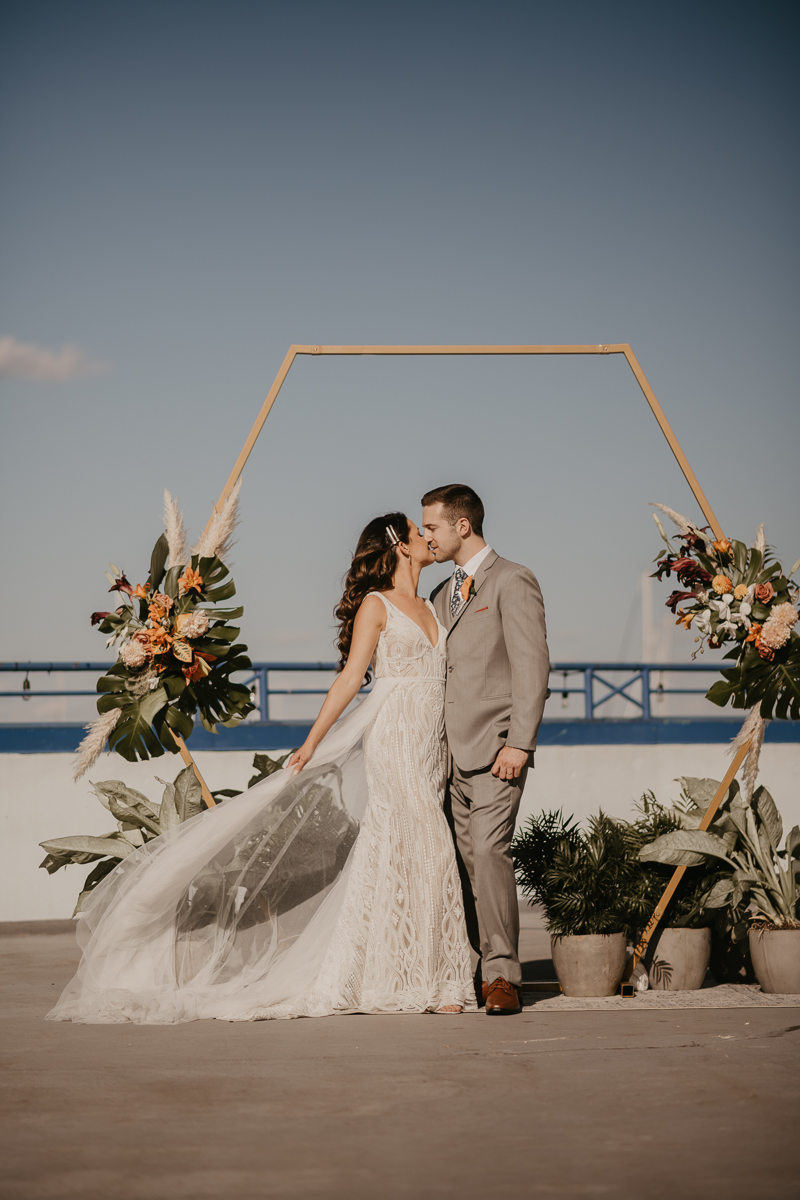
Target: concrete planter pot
{"points": [[589, 964], [776, 959], [677, 959]]}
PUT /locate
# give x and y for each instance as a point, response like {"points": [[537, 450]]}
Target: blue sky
{"points": [[191, 187]]}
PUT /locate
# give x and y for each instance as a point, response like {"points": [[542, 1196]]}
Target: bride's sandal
{"points": [[450, 1009]]}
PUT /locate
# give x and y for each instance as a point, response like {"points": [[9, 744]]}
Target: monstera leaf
{"points": [[133, 736], [774, 686]]}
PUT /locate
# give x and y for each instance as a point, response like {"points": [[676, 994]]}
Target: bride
{"points": [[330, 887]]}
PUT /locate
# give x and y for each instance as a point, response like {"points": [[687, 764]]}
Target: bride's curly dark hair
{"points": [[372, 570]]}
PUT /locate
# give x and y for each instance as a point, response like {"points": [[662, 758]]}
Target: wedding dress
{"points": [[328, 892]]}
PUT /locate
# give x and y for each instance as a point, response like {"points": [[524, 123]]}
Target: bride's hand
{"points": [[299, 759]]}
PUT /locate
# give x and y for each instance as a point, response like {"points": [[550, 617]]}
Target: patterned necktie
{"points": [[456, 600]]}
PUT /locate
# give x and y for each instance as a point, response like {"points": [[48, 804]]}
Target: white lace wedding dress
{"points": [[330, 892]]}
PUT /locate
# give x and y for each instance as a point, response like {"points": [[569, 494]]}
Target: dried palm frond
{"points": [[683, 523], [218, 535], [175, 531], [97, 734], [753, 732]]}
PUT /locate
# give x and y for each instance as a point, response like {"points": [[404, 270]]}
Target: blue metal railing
{"points": [[583, 679]]}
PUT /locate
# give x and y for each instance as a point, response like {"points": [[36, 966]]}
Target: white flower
{"points": [[785, 613], [702, 622], [134, 655], [192, 625], [774, 634]]}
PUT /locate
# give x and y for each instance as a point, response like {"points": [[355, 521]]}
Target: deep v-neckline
{"points": [[439, 628]]}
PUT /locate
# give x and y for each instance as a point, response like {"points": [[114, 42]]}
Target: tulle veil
{"points": [[230, 914]]}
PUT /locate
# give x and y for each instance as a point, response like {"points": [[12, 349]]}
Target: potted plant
{"points": [[582, 880], [679, 952], [758, 884]]}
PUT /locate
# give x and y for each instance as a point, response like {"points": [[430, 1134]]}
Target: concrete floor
{"points": [[681, 1104]]}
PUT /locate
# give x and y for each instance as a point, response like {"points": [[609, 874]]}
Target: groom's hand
{"points": [[510, 763]]}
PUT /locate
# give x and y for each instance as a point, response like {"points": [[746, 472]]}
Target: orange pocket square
{"points": [[484, 609]]}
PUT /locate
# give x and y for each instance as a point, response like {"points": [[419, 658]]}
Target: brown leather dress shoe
{"points": [[502, 998]]}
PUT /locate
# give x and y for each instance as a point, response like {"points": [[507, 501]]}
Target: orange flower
{"points": [[190, 581], [755, 634], [740, 591], [160, 641], [466, 585], [159, 608], [722, 585], [723, 546], [685, 619], [199, 668], [140, 591]]}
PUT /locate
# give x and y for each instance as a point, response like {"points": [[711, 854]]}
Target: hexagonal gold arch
{"points": [[623, 349], [666, 429]]}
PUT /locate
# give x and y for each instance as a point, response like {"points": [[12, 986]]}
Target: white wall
{"points": [[39, 800]]}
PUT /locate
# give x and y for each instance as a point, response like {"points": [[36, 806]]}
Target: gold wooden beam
{"points": [[598, 348]]}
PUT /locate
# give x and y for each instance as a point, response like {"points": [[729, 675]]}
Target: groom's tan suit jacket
{"points": [[498, 663]]}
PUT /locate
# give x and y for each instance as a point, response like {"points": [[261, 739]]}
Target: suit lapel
{"points": [[477, 583], [441, 602]]}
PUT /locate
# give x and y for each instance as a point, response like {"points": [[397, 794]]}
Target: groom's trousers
{"points": [[483, 812]]}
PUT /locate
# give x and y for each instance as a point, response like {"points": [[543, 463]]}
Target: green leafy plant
{"points": [[534, 846], [627, 886], [649, 878], [744, 843], [583, 880], [139, 821]]}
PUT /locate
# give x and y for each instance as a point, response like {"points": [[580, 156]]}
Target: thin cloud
{"points": [[23, 360]]}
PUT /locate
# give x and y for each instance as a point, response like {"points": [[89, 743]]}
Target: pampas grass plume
{"points": [[682, 522], [760, 543], [174, 529], [97, 734], [753, 732], [218, 535]]}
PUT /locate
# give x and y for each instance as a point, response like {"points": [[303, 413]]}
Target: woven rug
{"points": [[728, 995]]}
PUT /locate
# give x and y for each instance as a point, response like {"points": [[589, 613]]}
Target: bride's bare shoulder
{"points": [[372, 609]]}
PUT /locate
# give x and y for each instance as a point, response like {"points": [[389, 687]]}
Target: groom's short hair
{"points": [[457, 501]]}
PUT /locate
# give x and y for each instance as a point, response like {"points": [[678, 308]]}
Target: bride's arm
{"points": [[370, 621]]}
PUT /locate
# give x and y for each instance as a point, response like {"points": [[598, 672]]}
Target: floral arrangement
{"points": [[739, 595], [176, 648]]}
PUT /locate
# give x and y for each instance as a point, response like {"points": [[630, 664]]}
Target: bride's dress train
{"points": [[333, 891]]}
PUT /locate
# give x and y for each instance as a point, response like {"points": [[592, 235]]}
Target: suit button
{"points": [[449, 668]]}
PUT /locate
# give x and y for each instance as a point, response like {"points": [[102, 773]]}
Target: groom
{"points": [[497, 672]]}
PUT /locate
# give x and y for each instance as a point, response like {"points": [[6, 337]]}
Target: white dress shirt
{"points": [[470, 567]]}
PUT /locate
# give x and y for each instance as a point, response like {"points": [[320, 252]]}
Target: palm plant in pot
{"points": [[583, 882], [758, 883]]}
